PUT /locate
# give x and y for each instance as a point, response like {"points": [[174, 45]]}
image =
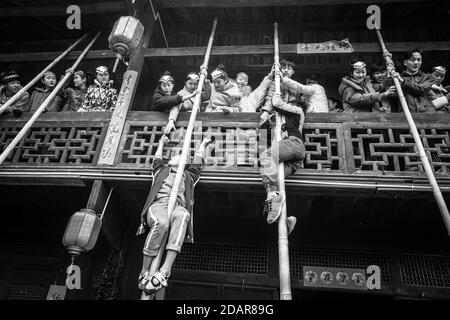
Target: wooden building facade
{"points": [[362, 198]]}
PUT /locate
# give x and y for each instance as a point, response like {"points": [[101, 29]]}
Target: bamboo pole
{"points": [[283, 242], [412, 126], [184, 154], [42, 107], [17, 96]]}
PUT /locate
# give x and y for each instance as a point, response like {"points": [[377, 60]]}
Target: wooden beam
{"points": [[86, 8], [301, 26], [269, 3], [166, 53]]}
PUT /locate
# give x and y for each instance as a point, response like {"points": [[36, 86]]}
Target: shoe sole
{"points": [[278, 215]]}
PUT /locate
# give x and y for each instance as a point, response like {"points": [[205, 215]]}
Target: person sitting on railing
{"points": [[164, 98], [242, 82], [73, 97], [416, 84], [438, 92], [39, 95], [291, 151], [335, 105], [380, 83], [358, 94], [225, 94], [9, 86], [155, 216], [101, 96]]}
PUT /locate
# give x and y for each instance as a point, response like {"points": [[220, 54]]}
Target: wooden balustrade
{"points": [[343, 144]]}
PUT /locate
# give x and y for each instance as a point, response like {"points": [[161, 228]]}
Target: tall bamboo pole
{"points": [[42, 107], [184, 154], [412, 126], [283, 242], [15, 97]]}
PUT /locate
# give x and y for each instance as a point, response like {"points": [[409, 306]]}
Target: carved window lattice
{"points": [[53, 145], [232, 148], [394, 150], [323, 149]]}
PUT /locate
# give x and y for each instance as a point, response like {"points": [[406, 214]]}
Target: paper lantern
{"points": [[125, 37], [82, 232]]}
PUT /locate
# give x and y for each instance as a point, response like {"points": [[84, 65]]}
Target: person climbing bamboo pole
{"points": [[412, 126], [19, 94], [283, 158], [153, 278], [38, 112], [283, 242]]}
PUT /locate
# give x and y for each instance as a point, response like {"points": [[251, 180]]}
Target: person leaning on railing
{"points": [[9, 86], [165, 99], [225, 94], [358, 94], [190, 86]]}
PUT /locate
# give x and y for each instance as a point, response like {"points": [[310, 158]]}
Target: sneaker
{"points": [[157, 281], [291, 222], [143, 280], [273, 207]]}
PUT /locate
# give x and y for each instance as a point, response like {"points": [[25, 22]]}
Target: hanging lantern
{"points": [[125, 38], [82, 232]]}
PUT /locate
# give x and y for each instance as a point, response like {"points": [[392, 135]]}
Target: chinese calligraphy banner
{"points": [[343, 46]]}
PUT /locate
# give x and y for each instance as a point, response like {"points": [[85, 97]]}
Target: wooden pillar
{"points": [[110, 148]]}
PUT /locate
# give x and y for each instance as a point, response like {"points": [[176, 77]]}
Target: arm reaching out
{"points": [[157, 161]]}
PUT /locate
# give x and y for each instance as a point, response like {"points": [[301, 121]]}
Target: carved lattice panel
{"points": [[324, 147], [394, 150], [231, 147], [54, 145]]}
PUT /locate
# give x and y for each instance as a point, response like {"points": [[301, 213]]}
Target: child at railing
{"points": [[155, 215], [242, 82]]}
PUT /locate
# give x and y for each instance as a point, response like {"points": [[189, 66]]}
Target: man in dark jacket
{"points": [[155, 215], [416, 84]]}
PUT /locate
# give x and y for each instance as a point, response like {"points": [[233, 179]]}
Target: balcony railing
{"points": [[344, 144]]}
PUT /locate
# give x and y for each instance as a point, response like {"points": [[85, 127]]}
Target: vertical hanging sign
{"points": [[112, 140]]}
